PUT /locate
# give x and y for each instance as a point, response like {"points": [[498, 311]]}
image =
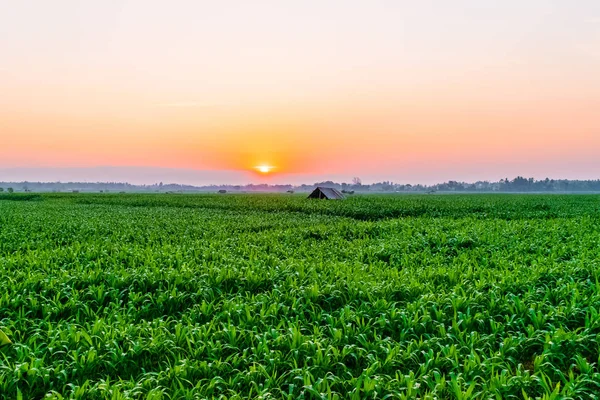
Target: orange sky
{"points": [[386, 90]]}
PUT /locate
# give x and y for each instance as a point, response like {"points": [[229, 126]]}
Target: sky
{"points": [[202, 92]]}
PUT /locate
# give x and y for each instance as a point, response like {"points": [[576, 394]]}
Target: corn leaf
{"points": [[4, 340]]}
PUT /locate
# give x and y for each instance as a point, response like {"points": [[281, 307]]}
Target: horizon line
{"points": [[292, 184]]}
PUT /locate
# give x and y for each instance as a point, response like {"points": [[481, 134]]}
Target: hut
{"points": [[326, 193], [222, 191]]}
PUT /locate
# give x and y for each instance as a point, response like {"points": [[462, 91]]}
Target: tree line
{"points": [[516, 185]]}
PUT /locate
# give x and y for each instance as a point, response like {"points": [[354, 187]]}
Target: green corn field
{"points": [[136, 296]]}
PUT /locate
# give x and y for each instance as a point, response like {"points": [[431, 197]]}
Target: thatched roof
{"points": [[326, 193]]}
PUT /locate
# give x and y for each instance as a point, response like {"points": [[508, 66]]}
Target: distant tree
{"points": [[1, 190], [10, 190], [356, 181], [520, 184]]}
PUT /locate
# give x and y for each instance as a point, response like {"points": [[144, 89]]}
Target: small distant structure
{"points": [[348, 191], [75, 191], [222, 191], [290, 191], [326, 193]]}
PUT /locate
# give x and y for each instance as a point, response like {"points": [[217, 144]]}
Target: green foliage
{"points": [[274, 296], [19, 196], [4, 340]]}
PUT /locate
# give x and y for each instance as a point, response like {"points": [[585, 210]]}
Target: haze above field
{"points": [[202, 92]]}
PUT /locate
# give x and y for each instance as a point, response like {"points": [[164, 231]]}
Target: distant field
{"points": [[275, 296]]}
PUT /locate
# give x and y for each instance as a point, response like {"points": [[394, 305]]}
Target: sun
{"points": [[264, 169]]}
